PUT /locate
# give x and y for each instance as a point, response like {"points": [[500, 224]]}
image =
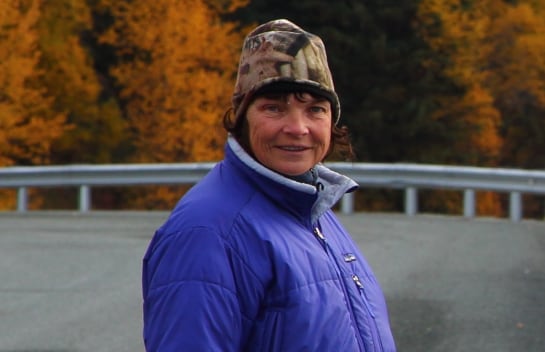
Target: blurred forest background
{"points": [[455, 82]]}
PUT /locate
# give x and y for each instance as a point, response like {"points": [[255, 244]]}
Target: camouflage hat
{"points": [[280, 51]]}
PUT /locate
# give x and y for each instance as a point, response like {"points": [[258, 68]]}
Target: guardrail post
{"points": [[347, 203], [84, 198], [515, 206], [411, 201], [22, 196], [469, 203]]}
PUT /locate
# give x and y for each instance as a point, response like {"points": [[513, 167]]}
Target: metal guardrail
{"points": [[409, 177]]}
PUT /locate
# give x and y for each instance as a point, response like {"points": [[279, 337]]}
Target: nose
{"points": [[295, 122]]}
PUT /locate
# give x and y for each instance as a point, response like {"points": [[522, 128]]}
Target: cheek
{"points": [[327, 145], [253, 133], [257, 137], [326, 136]]}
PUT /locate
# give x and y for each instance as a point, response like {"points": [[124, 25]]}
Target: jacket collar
{"points": [[304, 200]]}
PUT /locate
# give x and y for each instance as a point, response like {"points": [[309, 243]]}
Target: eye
{"points": [[272, 107], [318, 110]]}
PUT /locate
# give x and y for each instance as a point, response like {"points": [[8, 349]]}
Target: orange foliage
{"points": [[71, 77], [515, 52], [480, 120], [457, 34], [27, 129], [489, 204], [495, 51], [516, 48], [451, 202], [178, 78], [176, 73]]}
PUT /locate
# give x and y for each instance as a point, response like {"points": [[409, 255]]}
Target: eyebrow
{"points": [[298, 95]]}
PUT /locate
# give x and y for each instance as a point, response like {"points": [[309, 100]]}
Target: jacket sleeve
{"points": [[190, 300]]}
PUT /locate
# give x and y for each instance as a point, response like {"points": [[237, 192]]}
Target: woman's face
{"points": [[289, 133]]}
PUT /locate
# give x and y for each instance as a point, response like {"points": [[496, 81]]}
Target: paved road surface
{"points": [[71, 282]]}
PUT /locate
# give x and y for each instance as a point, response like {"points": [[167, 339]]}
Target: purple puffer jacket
{"points": [[252, 261]]}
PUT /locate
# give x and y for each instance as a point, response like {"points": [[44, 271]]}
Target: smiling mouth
{"points": [[293, 148]]}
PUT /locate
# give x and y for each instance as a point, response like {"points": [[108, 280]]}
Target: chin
{"points": [[293, 172]]}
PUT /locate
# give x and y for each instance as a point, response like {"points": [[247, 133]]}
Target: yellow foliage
{"points": [[451, 202], [456, 34], [487, 37], [517, 48], [494, 51], [71, 77], [179, 78], [27, 128], [156, 197], [8, 199], [477, 108], [459, 35], [489, 204]]}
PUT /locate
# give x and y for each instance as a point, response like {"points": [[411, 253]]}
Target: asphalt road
{"points": [[71, 282]]}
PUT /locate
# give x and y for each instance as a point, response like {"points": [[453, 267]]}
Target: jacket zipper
{"points": [[361, 288], [321, 238]]}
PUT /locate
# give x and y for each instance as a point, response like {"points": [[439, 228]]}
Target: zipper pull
{"points": [[321, 238], [357, 281], [360, 286], [319, 234]]}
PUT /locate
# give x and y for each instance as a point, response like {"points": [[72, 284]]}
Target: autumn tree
{"points": [[495, 51], [28, 126], [99, 133], [176, 74], [456, 31], [515, 57], [516, 54]]}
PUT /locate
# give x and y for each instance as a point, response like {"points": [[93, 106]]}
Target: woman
{"points": [[252, 258]]}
